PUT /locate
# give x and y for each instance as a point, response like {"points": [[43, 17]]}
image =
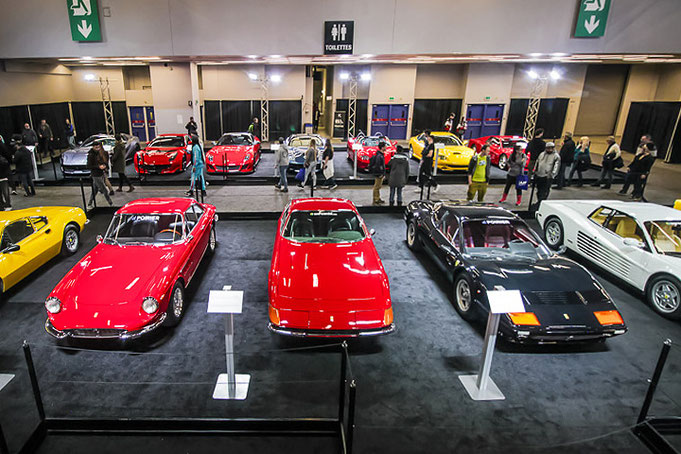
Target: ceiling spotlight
{"points": [[276, 78], [86, 58], [533, 74], [536, 54], [555, 75], [90, 77], [275, 56], [344, 76], [558, 54], [366, 76], [253, 76], [367, 55], [252, 56]]}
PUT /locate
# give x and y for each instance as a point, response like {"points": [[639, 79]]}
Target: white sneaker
{"points": [[437, 188]]}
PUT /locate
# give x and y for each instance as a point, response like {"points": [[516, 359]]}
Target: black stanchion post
{"points": [[54, 168], [343, 382], [34, 381], [529, 203], [666, 346], [94, 198], [82, 194], [4, 449], [428, 190], [351, 416], [421, 196]]}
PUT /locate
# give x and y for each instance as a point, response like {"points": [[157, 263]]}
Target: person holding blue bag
{"points": [[516, 173]]}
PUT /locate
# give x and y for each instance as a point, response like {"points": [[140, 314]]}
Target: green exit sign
{"points": [[392, 98], [487, 98], [84, 20], [592, 18]]}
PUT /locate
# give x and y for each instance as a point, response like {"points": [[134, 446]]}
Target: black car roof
{"points": [[475, 210]]}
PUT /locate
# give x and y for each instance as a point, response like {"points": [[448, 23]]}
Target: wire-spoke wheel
{"points": [[463, 296], [212, 240], [71, 240], [553, 233], [175, 305], [664, 293], [503, 162]]}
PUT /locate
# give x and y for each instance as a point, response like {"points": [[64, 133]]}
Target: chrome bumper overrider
{"points": [[330, 333], [102, 333]]}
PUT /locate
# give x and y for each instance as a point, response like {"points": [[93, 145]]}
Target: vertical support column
{"points": [[662, 359], [533, 107], [105, 88], [229, 353], [196, 103], [264, 110], [352, 107]]}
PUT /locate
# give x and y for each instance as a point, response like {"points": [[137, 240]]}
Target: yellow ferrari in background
{"points": [[454, 156], [31, 237]]}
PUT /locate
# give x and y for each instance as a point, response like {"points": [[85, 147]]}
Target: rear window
{"points": [[235, 139], [324, 227], [167, 142]]}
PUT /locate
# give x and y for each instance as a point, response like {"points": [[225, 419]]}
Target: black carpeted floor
{"points": [[409, 397]]}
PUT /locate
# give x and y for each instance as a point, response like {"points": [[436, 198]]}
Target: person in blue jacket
{"points": [[581, 162], [198, 166]]}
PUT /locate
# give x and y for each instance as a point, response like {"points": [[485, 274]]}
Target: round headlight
{"points": [[53, 305], [149, 305]]}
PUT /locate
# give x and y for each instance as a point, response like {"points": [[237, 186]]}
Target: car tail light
{"points": [[388, 317], [609, 318], [274, 315], [524, 318]]}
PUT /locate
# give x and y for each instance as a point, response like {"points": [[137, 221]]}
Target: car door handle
{"points": [[48, 230]]}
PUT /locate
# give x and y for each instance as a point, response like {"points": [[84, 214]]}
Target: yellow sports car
{"points": [[31, 237], [677, 204], [454, 156]]}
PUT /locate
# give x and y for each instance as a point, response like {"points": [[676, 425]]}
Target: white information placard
{"points": [[225, 301], [505, 301]]}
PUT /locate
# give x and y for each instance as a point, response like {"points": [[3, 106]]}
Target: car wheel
{"points": [[463, 297], [411, 152], [212, 240], [503, 162], [553, 233], [412, 236], [175, 305], [71, 240], [664, 294]]}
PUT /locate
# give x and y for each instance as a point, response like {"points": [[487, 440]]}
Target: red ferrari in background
{"points": [[235, 152], [500, 148], [326, 278], [364, 148], [167, 153], [134, 280]]}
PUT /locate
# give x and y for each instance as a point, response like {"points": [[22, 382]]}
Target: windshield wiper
{"points": [[111, 241]]}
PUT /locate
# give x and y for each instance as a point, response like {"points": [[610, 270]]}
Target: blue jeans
{"points": [[396, 190], [283, 181]]}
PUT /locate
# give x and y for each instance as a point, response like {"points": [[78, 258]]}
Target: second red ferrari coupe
{"points": [[363, 148], [326, 278], [134, 280], [235, 152], [500, 147], [167, 153]]}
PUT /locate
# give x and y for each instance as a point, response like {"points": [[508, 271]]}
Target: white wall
{"points": [[489, 83], [171, 89], [392, 84], [440, 81]]}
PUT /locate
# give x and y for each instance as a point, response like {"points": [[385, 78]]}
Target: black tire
{"points": [[413, 241], [503, 162], [212, 240], [664, 295], [554, 233], [411, 152], [175, 309], [463, 297], [70, 240]]}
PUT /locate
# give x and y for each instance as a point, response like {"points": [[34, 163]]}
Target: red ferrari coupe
{"points": [[235, 152], [326, 278], [500, 148], [364, 148], [134, 280], [167, 153]]}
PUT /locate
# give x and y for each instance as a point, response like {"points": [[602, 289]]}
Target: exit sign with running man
{"points": [[84, 20]]}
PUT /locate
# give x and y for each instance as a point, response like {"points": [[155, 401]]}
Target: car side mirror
{"points": [[633, 242], [11, 248], [372, 232], [100, 238]]}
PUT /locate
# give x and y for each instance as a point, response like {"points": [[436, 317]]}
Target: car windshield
{"points": [[89, 140], [508, 143], [666, 236], [373, 141], [303, 142], [501, 237], [324, 227], [235, 139], [145, 229], [167, 142], [447, 140]]}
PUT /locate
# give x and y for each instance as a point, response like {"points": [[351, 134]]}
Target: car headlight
{"points": [[149, 305], [210, 158], [247, 158], [172, 156], [53, 305]]}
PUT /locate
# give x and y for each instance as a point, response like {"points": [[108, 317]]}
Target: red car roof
{"points": [[319, 203], [157, 205]]}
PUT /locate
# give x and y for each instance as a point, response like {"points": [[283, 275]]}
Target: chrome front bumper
{"points": [[330, 333], [97, 333]]}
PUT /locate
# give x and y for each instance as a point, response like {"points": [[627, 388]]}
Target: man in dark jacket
{"points": [[399, 174], [426, 166], [254, 128], [97, 165], [639, 170], [377, 168], [23, 162], [191, 126], [5, 175], [118, 164], [28, 135], [45, 137], [567, 156], [535, 148]]}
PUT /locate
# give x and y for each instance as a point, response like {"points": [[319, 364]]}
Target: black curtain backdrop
{"points": [[12, 120], [551, 116], [675, 156], [120, 112], [88, 118], [238, 115], [655, 118], [285, 118], [211, 115], [361, 109], [432, 114], [55, 114]]}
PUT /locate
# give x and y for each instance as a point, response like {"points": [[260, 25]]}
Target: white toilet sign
{"points": [[339, 37]]}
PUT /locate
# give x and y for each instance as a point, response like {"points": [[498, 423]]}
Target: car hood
{"points": [[458, 150], [340, 277], [104, 289], [229, 154], [77, 156]]}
